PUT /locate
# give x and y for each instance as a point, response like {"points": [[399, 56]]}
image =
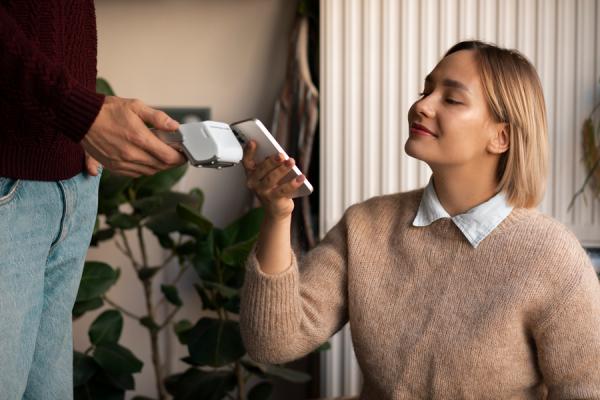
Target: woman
{"points": [[457, 290]]}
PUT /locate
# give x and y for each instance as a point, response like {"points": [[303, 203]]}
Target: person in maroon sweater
{"points": [[53, 128]]}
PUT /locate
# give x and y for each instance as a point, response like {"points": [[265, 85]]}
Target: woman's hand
{"points": [[264, 179]]}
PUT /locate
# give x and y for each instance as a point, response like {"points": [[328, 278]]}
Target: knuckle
{"points": [[136, 103]]}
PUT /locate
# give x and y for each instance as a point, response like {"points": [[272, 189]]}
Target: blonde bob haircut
{"points": [[515, 97]]}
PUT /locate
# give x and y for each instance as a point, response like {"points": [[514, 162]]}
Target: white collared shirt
{"points": [[475, 224]]}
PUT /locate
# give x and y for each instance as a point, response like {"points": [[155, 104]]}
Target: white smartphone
{"points": [[253, 129]]}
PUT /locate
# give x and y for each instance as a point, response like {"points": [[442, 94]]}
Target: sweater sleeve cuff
{"points": [[271, 300], [78, 112]]}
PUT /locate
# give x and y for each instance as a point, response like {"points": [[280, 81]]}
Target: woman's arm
{"points": [[285, 313], [568, 341]]}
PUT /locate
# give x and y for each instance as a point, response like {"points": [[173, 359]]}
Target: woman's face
{"points": [[450, 124]]}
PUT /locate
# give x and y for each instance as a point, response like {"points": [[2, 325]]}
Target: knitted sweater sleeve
{"points": [[287, 315], [42, 85], [568, 339]]}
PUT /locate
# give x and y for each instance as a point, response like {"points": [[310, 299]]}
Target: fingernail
{"points": [[172, 124], [300, 178]]}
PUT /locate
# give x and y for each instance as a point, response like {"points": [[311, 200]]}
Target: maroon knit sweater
{"points": [[48, 99]]}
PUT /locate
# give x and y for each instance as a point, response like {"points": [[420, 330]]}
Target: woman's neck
{"points": [[459, 190]]}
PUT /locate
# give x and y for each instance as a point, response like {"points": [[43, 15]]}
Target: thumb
{"points": [[157, 118], [91, 165]]}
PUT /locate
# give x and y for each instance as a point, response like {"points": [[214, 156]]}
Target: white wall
{"points": [[228, 55], [374, 57]]}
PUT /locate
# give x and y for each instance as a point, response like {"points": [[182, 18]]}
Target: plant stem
{"points": [[128, 251], [154, 349], [239, 373], [118, 307], [169, 318]]}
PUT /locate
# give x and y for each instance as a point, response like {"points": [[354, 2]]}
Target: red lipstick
{"points": [[422, 130]]}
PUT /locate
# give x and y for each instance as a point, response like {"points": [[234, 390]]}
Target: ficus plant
{"points": [[218, 366]]}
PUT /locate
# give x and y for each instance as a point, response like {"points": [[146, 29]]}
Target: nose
{"points": [[424, 107]]}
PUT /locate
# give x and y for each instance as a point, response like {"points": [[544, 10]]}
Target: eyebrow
{"points": [[449, 83]]}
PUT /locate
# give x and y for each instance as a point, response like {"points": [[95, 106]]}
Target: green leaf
{"points": [[223, 290], [247, 226], [237, 254], [159, 182], [189, 214], [120, 381], [181, 329], [165, 223], [204, 258], [148, 205], [103, 87], [207, 302], [287, 374], [81, 307], [97, 278], [106, 328], [171, 295], [117, 359], [102, 235], [84, 367], [165, 241], [149, 323], [97, 389], [261, 391], [324, 347], [146, 273], [195, 384], [123, 221], [215, 342]]}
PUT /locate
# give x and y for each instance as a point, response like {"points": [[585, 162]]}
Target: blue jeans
{"points": [[45, 230]]}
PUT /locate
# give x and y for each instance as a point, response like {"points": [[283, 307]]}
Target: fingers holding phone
{"points": [[267, 180]]}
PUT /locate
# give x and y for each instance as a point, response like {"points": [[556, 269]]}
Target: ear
{"points": [[500, 140]]}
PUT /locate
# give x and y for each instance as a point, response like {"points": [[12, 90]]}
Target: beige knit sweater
{"points": [[431, 317]]}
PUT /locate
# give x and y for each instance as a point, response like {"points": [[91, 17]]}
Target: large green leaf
{"points": [[167, 201], [102, 235], [123, 221], [247, 226], [81, 307], [159, 182], [106, 328], [84, 367], [116, 359], [195, 384], [182, 329], [121, 381], [168, 222], [193, 216], [97, 278], [203, 260], [215, 342], [261, 391], [98, 389], [237, 254], [171, 295], [103, 87]]}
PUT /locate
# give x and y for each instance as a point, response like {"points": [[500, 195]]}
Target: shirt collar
{"points": [[475, 224]]}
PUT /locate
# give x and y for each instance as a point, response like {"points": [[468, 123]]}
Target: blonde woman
{"points": [[458, 290]]}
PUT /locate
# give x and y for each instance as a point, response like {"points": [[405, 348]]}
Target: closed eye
{"points": [[451, 101]]}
